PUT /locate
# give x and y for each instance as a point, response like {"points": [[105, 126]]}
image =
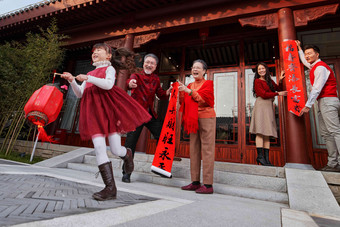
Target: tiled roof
{"points": [[41, 10], [71, 14], [27, 8]]}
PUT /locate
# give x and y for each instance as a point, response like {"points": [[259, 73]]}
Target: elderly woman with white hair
{"points": [[199, 120]]}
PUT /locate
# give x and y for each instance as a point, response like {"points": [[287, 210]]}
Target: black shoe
{"points": [[126, 177], [128, 161]]}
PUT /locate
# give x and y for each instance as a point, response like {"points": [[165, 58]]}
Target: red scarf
{"points": [[190, 106]]}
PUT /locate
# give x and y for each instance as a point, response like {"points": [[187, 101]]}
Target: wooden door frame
{"points": [[336, 63], [240, 116]]}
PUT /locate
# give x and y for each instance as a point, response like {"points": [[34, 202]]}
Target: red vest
{"points": [[329, 89], [99, 73]]}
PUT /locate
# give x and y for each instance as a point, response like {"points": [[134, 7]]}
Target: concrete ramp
{"points": [[62, 160], [308, 191]]}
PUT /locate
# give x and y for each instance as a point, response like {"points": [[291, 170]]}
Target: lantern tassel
{"points": [[43, 137]]}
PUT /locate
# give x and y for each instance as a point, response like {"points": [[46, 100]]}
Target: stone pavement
{"points": [[138, 203], [36, 197]]}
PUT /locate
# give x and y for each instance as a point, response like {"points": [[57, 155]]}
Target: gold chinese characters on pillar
{"points": [[294, 83]]}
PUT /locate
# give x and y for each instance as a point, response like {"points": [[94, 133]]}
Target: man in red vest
{"points": [[324, 90]]}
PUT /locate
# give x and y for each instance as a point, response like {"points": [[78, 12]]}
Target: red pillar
{"points": [[129, 40], [123, 75], [121, 82], [296, 143]]}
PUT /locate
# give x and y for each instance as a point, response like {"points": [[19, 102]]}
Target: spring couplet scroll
{"points": [[165, 151], [294, 83]]}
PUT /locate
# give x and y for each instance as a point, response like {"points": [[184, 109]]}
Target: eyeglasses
{"points": [[150, 63]]}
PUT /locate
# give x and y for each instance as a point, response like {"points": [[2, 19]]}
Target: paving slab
{"points": [[326, 221], [170, 207], [173, 206], [296, 218], [44, 192]]}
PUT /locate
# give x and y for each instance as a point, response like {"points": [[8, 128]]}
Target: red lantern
{"points": [[43, 108]]}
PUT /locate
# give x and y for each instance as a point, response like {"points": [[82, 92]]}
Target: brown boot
{"points": [[110, 190], [128, 165]]}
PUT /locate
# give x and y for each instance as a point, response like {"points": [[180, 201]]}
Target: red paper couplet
{"points": [[165, 151], [294, 84]]}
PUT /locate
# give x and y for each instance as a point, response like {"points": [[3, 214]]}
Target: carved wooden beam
{"points": [[270, 21], [301, 17], [116, 43], [142, 39], [138, 40]]}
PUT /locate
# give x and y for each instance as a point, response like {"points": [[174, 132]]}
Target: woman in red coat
{"points": [[199, 120]]}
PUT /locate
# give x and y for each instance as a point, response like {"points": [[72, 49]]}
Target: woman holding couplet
{"points": [[199, 120]]}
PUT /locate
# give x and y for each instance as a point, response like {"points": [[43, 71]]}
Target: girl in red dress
{"points": [[107, 110]]}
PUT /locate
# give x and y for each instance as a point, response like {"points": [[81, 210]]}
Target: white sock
{"points": [[116, 145], [100, 149]]}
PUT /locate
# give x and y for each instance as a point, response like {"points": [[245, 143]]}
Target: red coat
{"points": [[262, 89], [147, 87]]}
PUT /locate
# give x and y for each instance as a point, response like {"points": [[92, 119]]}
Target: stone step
{"points": [[221, 175], [270, 171], [246, 192]]}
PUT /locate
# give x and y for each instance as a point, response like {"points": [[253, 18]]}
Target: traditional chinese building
{"points": [[231, 36]]}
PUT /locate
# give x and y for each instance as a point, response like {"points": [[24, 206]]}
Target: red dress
{"points": [[108, 111]]}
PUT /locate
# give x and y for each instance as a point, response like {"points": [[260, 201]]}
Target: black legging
{"points": [[155, 127]]}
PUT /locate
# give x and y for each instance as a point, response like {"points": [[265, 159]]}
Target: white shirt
{"points": [[104, 83], [321, 75]]}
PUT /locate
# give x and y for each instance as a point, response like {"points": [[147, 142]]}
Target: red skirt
{"points": [[109, 111]]}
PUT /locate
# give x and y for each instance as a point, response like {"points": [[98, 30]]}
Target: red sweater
{"points": [[262, 89], [329, 89], [147, 87]]}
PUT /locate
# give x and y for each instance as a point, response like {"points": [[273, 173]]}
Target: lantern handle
{"points": [[35, 145], [54, 74]]}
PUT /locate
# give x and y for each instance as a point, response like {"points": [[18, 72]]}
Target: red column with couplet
{"points": [[296, 144]]}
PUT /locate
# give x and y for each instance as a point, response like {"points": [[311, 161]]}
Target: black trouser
{"points": [[155, 127]]}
